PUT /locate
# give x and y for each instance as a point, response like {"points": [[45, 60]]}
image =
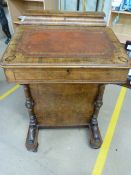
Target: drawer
{"points": [[107, 75]]}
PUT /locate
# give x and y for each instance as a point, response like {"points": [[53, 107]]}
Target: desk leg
{"points": [[32, 136], [96, 139]]}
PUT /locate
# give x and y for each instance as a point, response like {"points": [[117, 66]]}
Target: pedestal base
{"points": [[63, 105]]}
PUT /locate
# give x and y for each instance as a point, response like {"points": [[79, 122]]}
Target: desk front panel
{"points": [[64, 104], [67, 75]]}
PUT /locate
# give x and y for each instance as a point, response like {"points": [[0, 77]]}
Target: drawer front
{"points": [[67, 75]]}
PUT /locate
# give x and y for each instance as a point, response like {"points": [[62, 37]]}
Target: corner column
{"points": [[96, 140], [32, 136]]}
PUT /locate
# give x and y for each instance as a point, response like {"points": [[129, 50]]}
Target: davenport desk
{"points": [[64, 61]]}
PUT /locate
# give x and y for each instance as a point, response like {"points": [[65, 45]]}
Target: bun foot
{"points": [[95, 136], [32, 139]]}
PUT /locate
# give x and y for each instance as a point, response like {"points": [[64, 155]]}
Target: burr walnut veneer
{"points": [[64, 61]]}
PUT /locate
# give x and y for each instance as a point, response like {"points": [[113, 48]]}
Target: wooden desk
{"points": [[64, 68]]}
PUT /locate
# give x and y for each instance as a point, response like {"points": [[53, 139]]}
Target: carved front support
{"points": [[96, 140], [31, 140]]}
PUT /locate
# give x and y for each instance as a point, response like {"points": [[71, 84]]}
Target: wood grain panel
{"points": [[9, 75], [81, 74], [64, 104]]}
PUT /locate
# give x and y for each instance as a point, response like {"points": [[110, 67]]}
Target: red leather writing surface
{"points": [[66, 43]]}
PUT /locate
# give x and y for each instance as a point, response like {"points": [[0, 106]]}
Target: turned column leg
{"points": [[96, 139], [32, 136]]}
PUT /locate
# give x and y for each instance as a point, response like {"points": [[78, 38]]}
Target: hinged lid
{"points": [[65, 45]]}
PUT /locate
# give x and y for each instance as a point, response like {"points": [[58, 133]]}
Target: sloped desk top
{"points": [[57, 45]]}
